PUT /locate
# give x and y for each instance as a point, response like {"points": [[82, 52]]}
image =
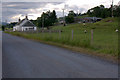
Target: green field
{"points": [[105, 39]]}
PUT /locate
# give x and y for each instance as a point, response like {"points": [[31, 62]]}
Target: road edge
{"points": [[86, 51]]}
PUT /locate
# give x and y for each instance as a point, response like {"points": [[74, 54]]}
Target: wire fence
{"points": [[104, 41]]}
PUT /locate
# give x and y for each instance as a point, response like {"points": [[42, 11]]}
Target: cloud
{"points": [[13, 9], [76, 9], [33, 1], [119, 3]]}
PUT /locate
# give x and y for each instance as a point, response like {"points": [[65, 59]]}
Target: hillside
{"points": [[105, 37], [104, 42], [108, 23]]}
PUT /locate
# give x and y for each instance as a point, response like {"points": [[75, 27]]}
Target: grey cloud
{"points": [[119, 3], [10, 9], [33, 0], [77, 8], [22, 5]]}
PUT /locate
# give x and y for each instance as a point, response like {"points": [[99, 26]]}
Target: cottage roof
{"points": [[25, 22], [20, 22], [28, 23]]}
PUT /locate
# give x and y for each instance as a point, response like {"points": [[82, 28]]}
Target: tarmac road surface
{"points": [[24, 58]]}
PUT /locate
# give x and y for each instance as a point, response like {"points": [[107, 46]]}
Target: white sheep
{"points": [[116, 30], [85, 31]]}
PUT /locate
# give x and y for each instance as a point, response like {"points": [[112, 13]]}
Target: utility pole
{"points": [[43, 22], [6, 23], [63, 18], [78, 13], [112, 9]]}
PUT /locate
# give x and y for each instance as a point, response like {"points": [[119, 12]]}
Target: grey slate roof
{"points": [[20, 22], [27, 23]]}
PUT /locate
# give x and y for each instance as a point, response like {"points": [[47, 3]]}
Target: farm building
{"points": [[87, 19], [91, 19], [24, 25]]}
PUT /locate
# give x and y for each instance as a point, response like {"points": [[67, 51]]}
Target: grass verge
{"points": [[82, 50], [105, 39]]}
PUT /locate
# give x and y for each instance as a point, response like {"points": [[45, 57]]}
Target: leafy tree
{"points": [[101, 11], [12, 24], [116, 11], [47, 19], [98, 11], [70, 17], [53, 16], [71, 13], [3, 28]]}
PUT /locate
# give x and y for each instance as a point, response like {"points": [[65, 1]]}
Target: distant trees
{"points": [[12, 24], [70, 17], [101, 11], [8, 25], [50, 18], [3, 28], [116, 10], [47, 19]]}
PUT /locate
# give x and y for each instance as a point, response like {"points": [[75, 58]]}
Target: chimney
{"points": [[26, 17], [19, 20]]}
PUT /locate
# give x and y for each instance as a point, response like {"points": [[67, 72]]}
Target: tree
{"points": [[12, 24], [54, 17], [101, 11], [47, 19], [3, 28], [116, 11], [71, 13], [70, 17]]}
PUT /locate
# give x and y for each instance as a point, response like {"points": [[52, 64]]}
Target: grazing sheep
{"points": [[83, 24], [85, 31], [116, 30]]}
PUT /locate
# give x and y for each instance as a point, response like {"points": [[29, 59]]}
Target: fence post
{"points": [[72, 34], [42, 34], [59, 34], [91, 36], [50, 33]]}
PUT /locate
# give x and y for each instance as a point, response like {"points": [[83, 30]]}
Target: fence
{"points": [[42, 31], [99, 40]]}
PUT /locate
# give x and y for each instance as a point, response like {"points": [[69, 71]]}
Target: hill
{"points": [[73, 36], [3, 23]]}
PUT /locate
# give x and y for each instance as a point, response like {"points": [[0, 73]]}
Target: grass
{"points": [[83, 16], [105, 39]]}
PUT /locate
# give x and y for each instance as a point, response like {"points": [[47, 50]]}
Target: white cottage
{"points": [[24, 25]]}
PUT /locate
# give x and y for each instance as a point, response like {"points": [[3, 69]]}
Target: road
{"points": [[24, 58]]}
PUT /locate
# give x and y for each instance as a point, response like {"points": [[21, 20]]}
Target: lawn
{"points": [[105, 39]]}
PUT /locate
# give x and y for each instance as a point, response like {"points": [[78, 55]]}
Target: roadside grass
{"points": [[105, 39]]}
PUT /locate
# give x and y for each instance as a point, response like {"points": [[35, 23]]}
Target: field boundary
{"points": [[87, 51]]}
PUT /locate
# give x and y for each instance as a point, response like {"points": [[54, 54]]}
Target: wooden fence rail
{"points": [[43, 31]]}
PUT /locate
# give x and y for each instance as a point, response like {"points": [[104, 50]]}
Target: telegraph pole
{"points": [[63, 18], [112, 9], [43, 21]]}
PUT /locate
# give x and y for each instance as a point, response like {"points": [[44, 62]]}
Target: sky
{"points": [[12, 10]]}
